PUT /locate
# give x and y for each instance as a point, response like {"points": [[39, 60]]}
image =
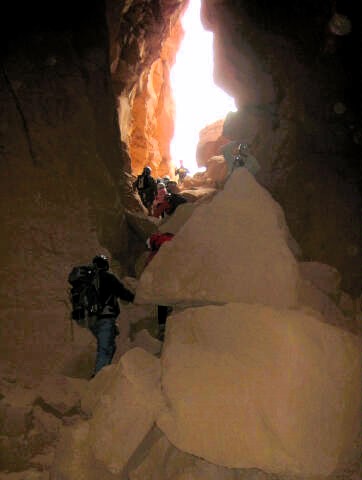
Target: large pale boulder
{"points": [[251, 386], [166, 462], [312, 297], [173, 223], [324, 277], [125, 410], [232, 249]]}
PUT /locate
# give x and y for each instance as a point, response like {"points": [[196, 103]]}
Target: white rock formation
{"points": [[251, 386], [125, 410], [323, 276], [310, 296], [174, 222], [166, 462], [232, 249]]}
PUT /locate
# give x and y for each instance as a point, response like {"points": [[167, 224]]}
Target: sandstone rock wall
{"points": [[301, 85], [144, 38], [60, 164]]}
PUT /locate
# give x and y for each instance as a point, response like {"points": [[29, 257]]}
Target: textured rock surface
{"points": [[122, 403], [211, 139], [144, 39], [164, 461], [125, 410], [61, 160], [324, 277], [275, 60], [231, 249], [252, 386]]}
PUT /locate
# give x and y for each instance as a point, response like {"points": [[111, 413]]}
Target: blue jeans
{"points": [[105, 332]]}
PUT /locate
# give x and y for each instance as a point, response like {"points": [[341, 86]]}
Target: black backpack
{"points": [[174, 200], [84, 294]]}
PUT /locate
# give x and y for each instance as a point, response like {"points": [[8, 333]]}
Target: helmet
{"points": [[166, 178], [160, 185], [147, 171], [101, 261]]}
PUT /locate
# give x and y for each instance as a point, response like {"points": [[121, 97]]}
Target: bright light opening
{"points": [[198, 101]]}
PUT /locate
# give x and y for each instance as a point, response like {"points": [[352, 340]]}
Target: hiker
{"points": [[146, 188], [154, 243], [166, 180], [105, 329], [174, 200], [160, 202], [181, 172], [236, 155]]}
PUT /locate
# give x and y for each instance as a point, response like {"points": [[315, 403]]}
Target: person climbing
{"points": [[173, 201], [105, 329], [154, 243], [146, 187], [237, 154], [166, 180], [181, 172], [160, 202]]}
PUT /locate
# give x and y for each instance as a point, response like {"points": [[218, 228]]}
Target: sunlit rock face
{"points": [[301, 85], [144, 38], [211, 139]]}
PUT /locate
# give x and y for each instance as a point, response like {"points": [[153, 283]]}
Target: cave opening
{"points": [[199, 102]]}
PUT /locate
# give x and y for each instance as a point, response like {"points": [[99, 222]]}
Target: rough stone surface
{"points": [[254, 386], [74, 459], [275, 59], [126, 409], [324, 277], [141, 63], [231, 249], [211, 140], [166, 462], [196, 194], [173, 223], [311, 296]]}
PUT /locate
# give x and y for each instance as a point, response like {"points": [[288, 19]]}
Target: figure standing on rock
{"points": [[181, 172], [146, 187]]}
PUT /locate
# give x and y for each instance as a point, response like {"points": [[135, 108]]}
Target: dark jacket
{"points": [[110, 288]]}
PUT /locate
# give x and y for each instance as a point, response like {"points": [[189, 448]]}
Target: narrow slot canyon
{"points": [[257, 373]]}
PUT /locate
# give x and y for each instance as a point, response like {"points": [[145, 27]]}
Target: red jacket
{"points": [[155, 241]]}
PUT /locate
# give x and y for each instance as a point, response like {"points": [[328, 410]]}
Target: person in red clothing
{"points": [[154, 243], [160, 203]]}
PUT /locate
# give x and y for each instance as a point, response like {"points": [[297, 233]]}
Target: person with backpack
{"points": [[95, 298], [146, 187], [173, 201]]}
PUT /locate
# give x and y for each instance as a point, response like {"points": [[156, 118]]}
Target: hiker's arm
{"points": [[123, 293]]}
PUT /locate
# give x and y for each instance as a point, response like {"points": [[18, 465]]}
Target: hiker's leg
{"points": [[105, 333], [162, 312]]}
